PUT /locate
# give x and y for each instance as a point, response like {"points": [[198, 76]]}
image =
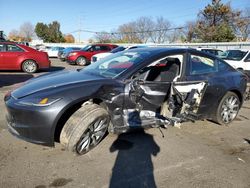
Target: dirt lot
{"points": [[200, 154]]}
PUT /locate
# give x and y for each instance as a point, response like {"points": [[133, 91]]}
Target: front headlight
{"points": [[73, 53], [39, 101]]}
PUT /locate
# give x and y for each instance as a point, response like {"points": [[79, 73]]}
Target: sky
{"points": [[99, 15]]}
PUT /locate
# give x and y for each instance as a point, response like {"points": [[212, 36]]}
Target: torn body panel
{"points": [[163, 103]]}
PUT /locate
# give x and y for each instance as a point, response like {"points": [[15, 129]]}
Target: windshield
{"points": [[86, 48], [117, 49], [115, 64], [235, 55]]}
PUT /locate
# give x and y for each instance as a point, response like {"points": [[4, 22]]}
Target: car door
{"points": [[146, 93], [13, 52], [204, 67], [149, 99], [2, 48]]}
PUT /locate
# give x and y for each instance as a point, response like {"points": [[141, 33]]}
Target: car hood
{"points": [[103, 54], [54, 80], [231, 61]]}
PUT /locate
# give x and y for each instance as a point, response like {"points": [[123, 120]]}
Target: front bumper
{"points": [[71, 60], [30, 123]]}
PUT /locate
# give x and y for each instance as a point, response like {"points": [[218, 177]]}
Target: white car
{"points": [[99, 56], [53, 52], [239, 59]]}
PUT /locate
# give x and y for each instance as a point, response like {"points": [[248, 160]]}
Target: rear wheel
{"points": [[29, 66], [82, 61], [228, 108], [85, 129]]}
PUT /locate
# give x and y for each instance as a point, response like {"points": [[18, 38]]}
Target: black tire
{"points": [[82, 132], [227, 112], [81, 61], [29, 66]]}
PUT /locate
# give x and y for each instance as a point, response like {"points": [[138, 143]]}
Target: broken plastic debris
{"points": [[177, 124], [241, 160]]}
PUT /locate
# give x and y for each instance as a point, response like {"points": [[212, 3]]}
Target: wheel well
{"points": [[66, 115], [27, 60], [238, 94], [81, 56]]}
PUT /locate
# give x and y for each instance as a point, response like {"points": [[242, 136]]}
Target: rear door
{"points": [[11, 56], [202, 67]]}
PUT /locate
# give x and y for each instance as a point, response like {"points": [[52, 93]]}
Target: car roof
{"points": [[160, 49], [243, 50]]}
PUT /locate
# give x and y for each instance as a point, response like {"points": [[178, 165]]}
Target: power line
{"points": [[132, 32]]}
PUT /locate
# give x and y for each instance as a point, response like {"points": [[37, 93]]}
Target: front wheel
{"points": [[228, 108], [85, 129], [29, 66], [82, 61]]}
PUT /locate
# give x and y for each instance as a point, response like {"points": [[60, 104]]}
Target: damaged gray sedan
{"points": [[140, 88]]}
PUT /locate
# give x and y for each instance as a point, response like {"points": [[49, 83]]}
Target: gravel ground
{"points": [[200, 154]]}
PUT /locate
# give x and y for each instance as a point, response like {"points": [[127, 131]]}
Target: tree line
{"points": [[217, 22], [47, 32]]}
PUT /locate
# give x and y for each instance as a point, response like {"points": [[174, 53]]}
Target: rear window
{"points": [[202, 65], [1, 47], [13, 48]]}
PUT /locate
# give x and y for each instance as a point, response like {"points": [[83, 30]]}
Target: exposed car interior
{"points": [[177, 98]]}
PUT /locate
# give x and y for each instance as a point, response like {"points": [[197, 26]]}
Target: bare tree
{"points": [[27, 31], [189, 31], [175, 35], [242, 25], [143, 26], [103, 37], [14, 35], [128, 33], [159, 33]]}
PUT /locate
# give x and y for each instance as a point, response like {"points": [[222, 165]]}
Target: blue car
{"points": [[62, 54]]}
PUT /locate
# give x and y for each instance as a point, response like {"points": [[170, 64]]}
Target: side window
{"points": [[97, 48], [13, 48], [105, 48], [202, 65], [166, 69], [1, 47]]}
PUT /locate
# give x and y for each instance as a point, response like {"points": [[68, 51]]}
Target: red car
{"points": [[83, 57], [15, 56]]}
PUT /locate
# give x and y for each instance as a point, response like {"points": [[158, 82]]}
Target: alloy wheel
{"points": [[229, 109], [92, 136]]}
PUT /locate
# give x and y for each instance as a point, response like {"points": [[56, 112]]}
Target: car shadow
{"points": [[53, 69], [11, 79], [133, 166]]}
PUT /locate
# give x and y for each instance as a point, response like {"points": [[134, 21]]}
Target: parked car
{"points": [[213, 51], [140, 88], [115, 50], [83, 56], [15, 56], [53, 51], [43, 48], [239, 59], [24, 43], [62, 54]]}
